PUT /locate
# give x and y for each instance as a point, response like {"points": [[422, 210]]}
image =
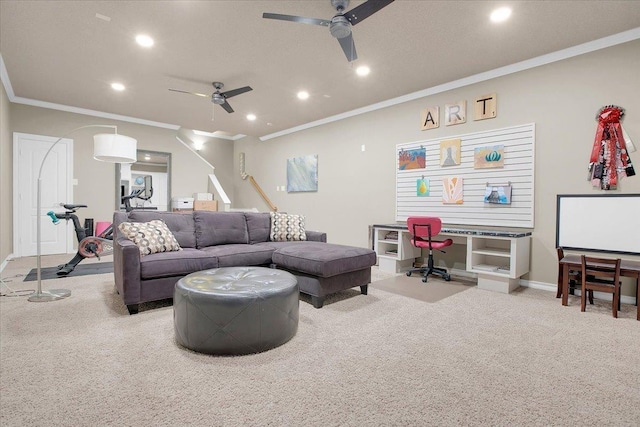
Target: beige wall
{"points": [[96, 180], [6, 178], [219, 152], [357, 188]]}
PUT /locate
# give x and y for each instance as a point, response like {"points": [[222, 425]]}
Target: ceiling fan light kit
{"points": [[340, 27], [341, 23]]}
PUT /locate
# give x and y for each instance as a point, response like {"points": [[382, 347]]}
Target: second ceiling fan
{"points": [[340, 24], [217, 97]]}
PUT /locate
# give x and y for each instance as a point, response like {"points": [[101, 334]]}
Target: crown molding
{"points": [[94, 113], [219, 135], [4, 76], [549, 58], [560, 55]]}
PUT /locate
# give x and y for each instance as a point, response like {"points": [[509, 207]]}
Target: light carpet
{"points": [[473, 358]]}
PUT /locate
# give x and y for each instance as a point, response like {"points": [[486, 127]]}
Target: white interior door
{"points": [[57, 173]]}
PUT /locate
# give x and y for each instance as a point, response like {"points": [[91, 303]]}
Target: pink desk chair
{"points": [[422, 230]]}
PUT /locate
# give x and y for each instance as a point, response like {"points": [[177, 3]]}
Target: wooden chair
{"points": [[601, 274], [575, 278]]}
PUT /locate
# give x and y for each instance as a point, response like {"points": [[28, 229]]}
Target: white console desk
{"points": [[498, 257]]}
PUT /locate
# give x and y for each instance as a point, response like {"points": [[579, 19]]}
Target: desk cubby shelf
{"points": [[498, 258], [405, 254], [509, 256]]}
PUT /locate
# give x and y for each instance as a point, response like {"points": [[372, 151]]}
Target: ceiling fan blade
{"points": [[191, 93], [300, 19], [365, 10], [227, 107], [349, 47], [234, 92]]}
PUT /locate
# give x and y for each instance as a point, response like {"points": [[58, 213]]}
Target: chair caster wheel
{"points": [[424, 280], [447, 278], [408, 273]]}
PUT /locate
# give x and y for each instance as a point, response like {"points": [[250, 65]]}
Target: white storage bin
{"points": [[181, 203]]}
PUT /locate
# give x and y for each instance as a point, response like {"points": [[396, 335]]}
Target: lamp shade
{"points": [[114, 148]]}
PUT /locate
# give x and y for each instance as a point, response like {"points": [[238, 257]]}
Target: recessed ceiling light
{"points": [[363, 70], [303, 94], [251, 117], [147, 157], [117, 86], [144, 40], [269, 124], [500, 14]]}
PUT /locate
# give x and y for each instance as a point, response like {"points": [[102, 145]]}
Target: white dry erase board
{"points": [[599, 223], [517, 170]]}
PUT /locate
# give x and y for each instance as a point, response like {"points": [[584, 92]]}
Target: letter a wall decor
{"points": [[430, 118]]}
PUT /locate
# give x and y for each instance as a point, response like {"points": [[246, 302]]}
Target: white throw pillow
{"points": [[150, 237], [286, 228]]}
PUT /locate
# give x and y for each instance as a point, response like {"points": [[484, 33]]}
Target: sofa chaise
{"points": [[227, 239]]}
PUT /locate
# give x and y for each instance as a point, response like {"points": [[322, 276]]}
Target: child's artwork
{"points": [[412, 159], [452, 190], [450, 152], [488, 157], [498, 194], [422, 187]]}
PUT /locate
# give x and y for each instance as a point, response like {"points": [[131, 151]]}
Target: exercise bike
{"points": [[90, 246]]}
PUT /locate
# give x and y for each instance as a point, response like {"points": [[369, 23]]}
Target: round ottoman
{"points": [[235, 310]]}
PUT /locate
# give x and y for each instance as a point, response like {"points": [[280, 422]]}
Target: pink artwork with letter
{"points": [[452, 190]]}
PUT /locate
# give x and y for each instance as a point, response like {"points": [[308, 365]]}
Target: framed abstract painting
{"points": [[302, 174]]}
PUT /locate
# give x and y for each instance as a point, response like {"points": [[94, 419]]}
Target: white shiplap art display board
{"points": [[518, 170]]}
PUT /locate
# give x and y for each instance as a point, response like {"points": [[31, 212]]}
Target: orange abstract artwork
{"points": [[452, 190], [412, 159]]}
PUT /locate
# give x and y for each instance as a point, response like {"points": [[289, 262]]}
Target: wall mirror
{"points": [[151, 166]]}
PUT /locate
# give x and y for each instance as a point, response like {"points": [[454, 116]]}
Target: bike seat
{"points": [[73, 207]]}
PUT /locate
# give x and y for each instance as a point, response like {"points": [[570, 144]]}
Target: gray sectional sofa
{"points": [[228, 239]]}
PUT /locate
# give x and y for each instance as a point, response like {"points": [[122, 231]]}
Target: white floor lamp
{"points": [[107, 147]]}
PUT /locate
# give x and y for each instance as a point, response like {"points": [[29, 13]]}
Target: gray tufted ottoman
{"points": [[235, 310]]}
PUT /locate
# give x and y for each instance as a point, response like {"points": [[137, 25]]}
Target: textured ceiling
{"points": [[60, 52]]}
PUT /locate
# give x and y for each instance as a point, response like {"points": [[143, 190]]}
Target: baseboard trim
{"points": [[624, 299], [5, 262]]}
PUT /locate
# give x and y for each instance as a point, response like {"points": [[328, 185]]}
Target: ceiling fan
{"points": [[219, 98], [340, 24]]}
